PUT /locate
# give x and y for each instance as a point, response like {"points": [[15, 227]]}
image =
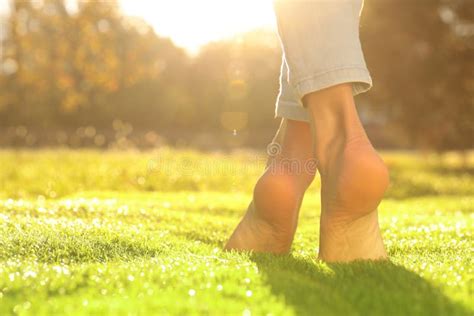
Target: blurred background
{"points": [[204, 74]]}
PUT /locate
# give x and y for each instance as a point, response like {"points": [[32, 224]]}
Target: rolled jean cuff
{"points": [[291, 111], [359, 76]]}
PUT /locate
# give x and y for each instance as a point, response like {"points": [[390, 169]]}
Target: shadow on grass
{"points": [[360, 288]]}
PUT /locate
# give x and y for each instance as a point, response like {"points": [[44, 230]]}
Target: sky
{"points": [[192, 23]]}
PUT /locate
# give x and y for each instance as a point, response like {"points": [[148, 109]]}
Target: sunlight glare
{"points": [[193, 23]]}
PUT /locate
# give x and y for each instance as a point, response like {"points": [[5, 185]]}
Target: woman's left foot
{"points": [[257, 235], [271, 219]]}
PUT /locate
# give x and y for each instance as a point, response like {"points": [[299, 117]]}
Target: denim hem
{"points": [[359, 76], [291, 111]]}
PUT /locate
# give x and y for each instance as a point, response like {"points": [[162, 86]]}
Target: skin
{"points": [[270, 223], [353, 181]]}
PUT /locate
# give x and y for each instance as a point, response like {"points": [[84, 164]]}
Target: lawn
{"points": [[134, 233]]}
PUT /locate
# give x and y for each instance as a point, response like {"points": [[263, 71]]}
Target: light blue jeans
{"points": [[321, 48]]}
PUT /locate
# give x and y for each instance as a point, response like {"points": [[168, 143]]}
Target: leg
{"points": [[271, 219], [353, 178], [326, 67]]}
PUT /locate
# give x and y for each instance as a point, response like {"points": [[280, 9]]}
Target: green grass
{"points": [[128, 233]]}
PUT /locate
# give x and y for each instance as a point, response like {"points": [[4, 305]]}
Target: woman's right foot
{"points": [[353, 178], [353, 185]]}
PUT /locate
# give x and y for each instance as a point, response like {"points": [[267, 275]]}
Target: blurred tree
{"points": [[238, 76], [75, 67], [421, 55], [67, 66]]}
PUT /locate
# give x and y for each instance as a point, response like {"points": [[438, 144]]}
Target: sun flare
{"points": [[193, 23]]}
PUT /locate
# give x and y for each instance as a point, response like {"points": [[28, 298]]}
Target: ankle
{"points": [[335, 122], [275, 191], [278, 195], [294, 174], [333, 107]]}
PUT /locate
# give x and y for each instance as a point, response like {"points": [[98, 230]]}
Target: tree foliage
{"points": [[63, 68], [421, 54]]}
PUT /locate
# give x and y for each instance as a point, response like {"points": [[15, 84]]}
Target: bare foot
{"points": [[353, 179], [271, 219], [353, 186], [253, 234]]}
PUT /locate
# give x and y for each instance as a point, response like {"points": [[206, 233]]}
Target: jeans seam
{"points": [[319, 74]]}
